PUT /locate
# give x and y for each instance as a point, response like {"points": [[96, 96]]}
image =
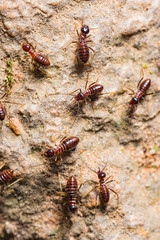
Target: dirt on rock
{"points": [[125, 37]]}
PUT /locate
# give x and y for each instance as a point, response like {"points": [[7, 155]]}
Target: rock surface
{"points": [[125, 35]]}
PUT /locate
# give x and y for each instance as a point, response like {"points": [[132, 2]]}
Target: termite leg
{"points": [[2, 165], [14, 182], [63, 139], [142, 72], [70, 44], [146, 94], [139, 82], [3, 95], [81, 180], [96, 202], [56, 63], [133, 92], [91, 104], [60, 186], [108, 179], [87, 80], [100, 94], [76, 59], [117, 196], [90, 191], [93, 56], [78, 89], [44, 72], [94, 82], [88, 37], [76, 29]]}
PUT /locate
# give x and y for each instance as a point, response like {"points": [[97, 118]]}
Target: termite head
{"points": [[101, 174], [79, 97], [133, 101], [133, 104], [26, 47], [85, 29], [49, 153], [73, 208]]}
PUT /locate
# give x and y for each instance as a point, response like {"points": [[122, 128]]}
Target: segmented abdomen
{"points": [[2, 112], [104, 193], [71, 189], [39, 58], [83, 52], [70, 143], [97, 88], [6, 176], [145, 85], [60, 149], [139, 94]]}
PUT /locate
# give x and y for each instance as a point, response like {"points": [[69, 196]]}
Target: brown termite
{"points": [[143, 87], [40, 59], [93, 91], [66, 144], [83, 49], [104, 194], [37, 57], [71, 193], [7, 176], [3, 109]]}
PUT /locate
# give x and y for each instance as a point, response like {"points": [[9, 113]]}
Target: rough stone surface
{"points": [[125, 35]]}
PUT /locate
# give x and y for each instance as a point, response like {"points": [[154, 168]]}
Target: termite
{"points": [[37, 57], [71, 193], [83, 49], [143, 87], [93, 91], [66, 144], [104, 193], [3, 109], [6, 176]]}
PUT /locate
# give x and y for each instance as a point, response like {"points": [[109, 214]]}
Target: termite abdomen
{"points": [[97, 88], [145, 85], [6, 176], [70, 143], [71, 190], [104, 194], [83, 51], [42, 60], [2, 112]]}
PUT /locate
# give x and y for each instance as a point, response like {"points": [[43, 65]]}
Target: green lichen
{"points": [[155, 148], [9, 80]]}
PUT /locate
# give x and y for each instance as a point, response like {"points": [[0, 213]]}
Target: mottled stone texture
{"points": [[125, 35]]}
